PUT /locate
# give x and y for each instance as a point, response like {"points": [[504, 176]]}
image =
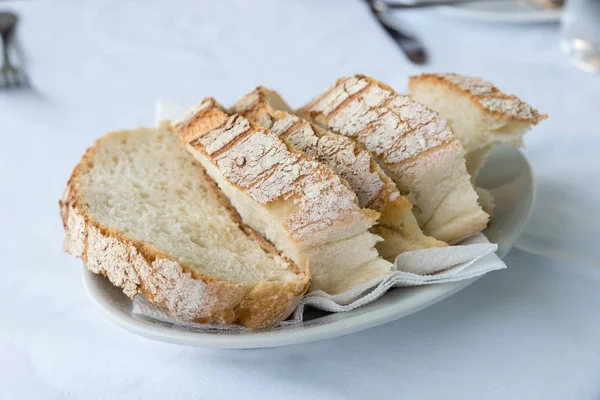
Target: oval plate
{"points": [[507, 175]]}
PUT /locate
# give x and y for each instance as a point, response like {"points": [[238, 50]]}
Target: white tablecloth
{"points": [[529, 332]]}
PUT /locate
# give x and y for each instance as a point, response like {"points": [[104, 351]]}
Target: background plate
{"points": [[502, 11], [507, 175]]}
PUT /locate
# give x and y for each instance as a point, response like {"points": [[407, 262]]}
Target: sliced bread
{"points": [[375, 190], [140, 210], [413, 146], [297, 203], [480, 114]]}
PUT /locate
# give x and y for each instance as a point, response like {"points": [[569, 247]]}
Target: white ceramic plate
{"points": [[502, 11], [507, 175]]}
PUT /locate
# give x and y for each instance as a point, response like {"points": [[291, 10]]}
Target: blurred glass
{"points": [[581, 33]]}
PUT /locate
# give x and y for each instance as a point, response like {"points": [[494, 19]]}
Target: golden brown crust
{"points": [[205, 112], [374, 188], [354, 164], [410, 142], [259, 163], [392, 127], [269, 301], [485, 96], [140, 268]]}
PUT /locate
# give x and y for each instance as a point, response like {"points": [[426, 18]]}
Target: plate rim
{"points": [[466, 13], [280, 338], [305, 334]]}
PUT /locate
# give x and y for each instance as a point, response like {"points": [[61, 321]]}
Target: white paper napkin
{"points": [[473, 257]]}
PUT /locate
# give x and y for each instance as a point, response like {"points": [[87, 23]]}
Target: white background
{"points": [[529, 332]]}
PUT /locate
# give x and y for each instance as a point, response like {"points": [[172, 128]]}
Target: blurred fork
{"points": [[410, 45], [10, 76]]}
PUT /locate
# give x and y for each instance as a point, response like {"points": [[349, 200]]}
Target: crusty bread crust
{"points": [[317, 216], [334, 109], [341, 153], [375, 190], [406, 138], [137, 267], [485, 96]]}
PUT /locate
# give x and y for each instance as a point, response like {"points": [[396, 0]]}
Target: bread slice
{"points": [[140, 210], [375, 190], [480, 114], [300, 205], [413, 146]]}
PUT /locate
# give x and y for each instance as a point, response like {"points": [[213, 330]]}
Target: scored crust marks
{"points": [[299, 133], [389, 125], [340, 153], [490, 97], [337, 151], [259, 162], [338, 94], [220, 137]]}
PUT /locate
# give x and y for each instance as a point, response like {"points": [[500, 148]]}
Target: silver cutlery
{"points": [[410, 45], [10, 76]]}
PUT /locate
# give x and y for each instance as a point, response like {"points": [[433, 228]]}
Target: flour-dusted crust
{"points": [[485, 95], [137, 267], [390, 125], [259, 163], [341, 153], [375, 190], [407, 139]]}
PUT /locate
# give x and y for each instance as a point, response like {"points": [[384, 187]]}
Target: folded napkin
{"points": [[471, 258]]}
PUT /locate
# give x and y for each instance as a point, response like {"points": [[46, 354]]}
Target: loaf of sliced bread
{"points": [[375, 190], [413, 146], [297, 203], [480, 114], [141, 211]]}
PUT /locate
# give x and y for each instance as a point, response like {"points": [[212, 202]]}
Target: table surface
{"points": [[528, 332]]}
